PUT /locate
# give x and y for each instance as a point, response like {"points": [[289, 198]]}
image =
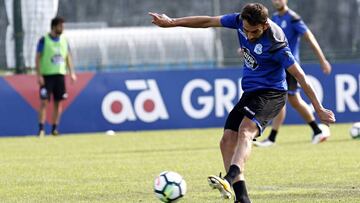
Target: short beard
{"points": [[281, 8], [58, 32]]}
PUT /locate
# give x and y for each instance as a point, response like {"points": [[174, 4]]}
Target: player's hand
{"points": [[326, 67], [326, 116], [240, 52], [73, 77], [40, 80], [161, 20]]}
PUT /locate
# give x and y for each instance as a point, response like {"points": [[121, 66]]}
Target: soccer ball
{"points": [[169, 186], [355, 130]]}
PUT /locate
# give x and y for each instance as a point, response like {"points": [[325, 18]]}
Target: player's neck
{"points": [[54, 35], [283, 10]]}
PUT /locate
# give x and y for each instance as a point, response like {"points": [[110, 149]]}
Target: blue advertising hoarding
{"points": [[128, 101]]}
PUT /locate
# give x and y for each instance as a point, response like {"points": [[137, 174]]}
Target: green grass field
{"points": [[121, 168]]}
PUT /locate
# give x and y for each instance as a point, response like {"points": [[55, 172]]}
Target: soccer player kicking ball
{"points": [[294, 28], [266, 57]]}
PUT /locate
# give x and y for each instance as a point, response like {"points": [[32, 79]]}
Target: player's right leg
{"points": [[44, 100], [56, 117], [228, 144], [42, 117]]}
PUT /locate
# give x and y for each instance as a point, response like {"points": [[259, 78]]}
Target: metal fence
{"points": [[142, 48], [336, 25]]}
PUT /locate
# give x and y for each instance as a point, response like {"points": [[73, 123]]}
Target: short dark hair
{"points": [[56, 21], [255, 13]]}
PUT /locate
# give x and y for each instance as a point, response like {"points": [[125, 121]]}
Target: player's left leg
{"points": [[228, 144], [56, 117], [42, 117], [301, 107], [247, 132], [293, 88], [320, 132], [276, 123], [59, 95]]}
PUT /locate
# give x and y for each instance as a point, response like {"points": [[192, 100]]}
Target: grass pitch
{"points": [[121, 168]]}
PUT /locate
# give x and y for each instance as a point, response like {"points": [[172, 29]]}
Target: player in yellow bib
{"points": [[53, 62]]}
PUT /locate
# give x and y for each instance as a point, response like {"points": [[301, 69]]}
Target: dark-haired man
{"points": [[266, 57], [52, 62], [293, 27]]}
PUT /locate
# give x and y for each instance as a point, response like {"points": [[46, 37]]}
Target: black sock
{"points": [[314, 126], [41, 126], [272, 136], [241, 194], [234, 171], [54, 127]]}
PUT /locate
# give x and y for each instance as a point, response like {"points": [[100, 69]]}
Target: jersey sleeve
{"points": [[300, 26], [231, 21], [285, 57], [40, 45]]}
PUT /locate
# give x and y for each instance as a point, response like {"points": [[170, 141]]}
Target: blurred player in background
{"points": [[266, 57], [294, 28], [52, 62]]}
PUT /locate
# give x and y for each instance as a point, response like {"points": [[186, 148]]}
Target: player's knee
{"points": [[248, 131], [246, 135], [43, 104]]}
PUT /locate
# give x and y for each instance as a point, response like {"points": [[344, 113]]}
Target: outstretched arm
{"points": [[326, 116], [191, 21], [310, 38]]}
